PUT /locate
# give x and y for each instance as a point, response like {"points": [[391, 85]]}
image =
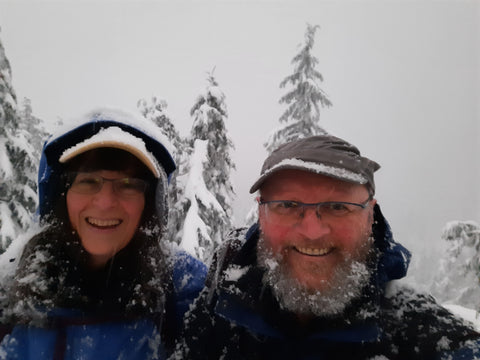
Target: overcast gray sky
{"points": [[403, 77]]}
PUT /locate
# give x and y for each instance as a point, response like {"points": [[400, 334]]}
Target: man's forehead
{"points": [[291, 180]]}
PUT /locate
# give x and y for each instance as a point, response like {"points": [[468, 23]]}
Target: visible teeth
{"points": [[103, 223], [313, 251]]}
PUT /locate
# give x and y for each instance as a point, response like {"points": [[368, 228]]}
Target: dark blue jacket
{"points": [[237, 316], [56, 307], [78, 334]]}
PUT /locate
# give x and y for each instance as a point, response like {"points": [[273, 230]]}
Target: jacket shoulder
{"points": [[188, 274], [419, 325], [226, 253]]}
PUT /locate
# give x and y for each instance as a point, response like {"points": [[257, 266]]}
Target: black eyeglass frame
{"points": [[316, 205], [72, 176]]}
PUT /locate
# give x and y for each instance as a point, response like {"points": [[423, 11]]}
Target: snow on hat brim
{"points": [[114, 137], [323, 154]]}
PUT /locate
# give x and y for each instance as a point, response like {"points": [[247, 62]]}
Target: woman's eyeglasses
{"points": [[89, 184]]}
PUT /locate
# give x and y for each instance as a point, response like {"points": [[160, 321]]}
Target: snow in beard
{"points": [[348, 281]]}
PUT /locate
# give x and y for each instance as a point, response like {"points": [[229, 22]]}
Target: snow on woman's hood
{"points": [[110, 114], [114, 137], [151, 143]]}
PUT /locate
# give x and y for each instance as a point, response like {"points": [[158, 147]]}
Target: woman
{"points": [[96, 282]]}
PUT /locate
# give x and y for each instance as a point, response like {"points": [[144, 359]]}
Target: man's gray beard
{"points": [[348, 281]]}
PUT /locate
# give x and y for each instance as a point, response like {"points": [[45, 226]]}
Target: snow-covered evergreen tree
{"points": [[458, 278], [34, 129], [203, 211], [209, 116], [304, 100], [17, 163], [155, 110]]}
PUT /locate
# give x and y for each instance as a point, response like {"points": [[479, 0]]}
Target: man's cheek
{"points": [[276, 236]]}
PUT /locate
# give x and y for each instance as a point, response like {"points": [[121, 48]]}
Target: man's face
{"points": [[315, 248]]}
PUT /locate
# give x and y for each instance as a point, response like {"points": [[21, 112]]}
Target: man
{"points": [[313, 279]]}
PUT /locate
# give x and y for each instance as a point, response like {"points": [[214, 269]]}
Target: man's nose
{"points": [[312, 225]]}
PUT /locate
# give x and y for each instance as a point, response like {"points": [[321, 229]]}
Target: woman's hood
{"points": [[80, 130]]}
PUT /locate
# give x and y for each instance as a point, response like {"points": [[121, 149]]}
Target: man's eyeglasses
{"points": [[289, 212], [89, 184]]}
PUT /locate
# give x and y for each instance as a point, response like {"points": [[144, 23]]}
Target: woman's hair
{"points": [[111, 159]]}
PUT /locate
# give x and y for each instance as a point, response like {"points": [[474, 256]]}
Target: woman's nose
{"points": [[106, 197]]}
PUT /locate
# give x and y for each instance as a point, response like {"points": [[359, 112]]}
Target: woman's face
{"points": [[105, 220]]}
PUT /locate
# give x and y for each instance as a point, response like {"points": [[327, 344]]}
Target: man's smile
{"points": [[313, 251]]}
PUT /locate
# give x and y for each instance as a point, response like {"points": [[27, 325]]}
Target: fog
{"points": [[403, 77]]}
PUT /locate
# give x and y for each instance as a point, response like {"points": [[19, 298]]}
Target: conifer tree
{"points": [[304, 100], [34, 129], [209, 116], [458, 278], [17, 165], [155, 111], [203, 213]]}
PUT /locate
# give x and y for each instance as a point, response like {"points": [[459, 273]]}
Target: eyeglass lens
{"points": [[288, 212], [87, 183]]}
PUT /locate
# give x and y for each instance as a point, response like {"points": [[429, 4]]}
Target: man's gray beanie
{"points": [[323, 154]]}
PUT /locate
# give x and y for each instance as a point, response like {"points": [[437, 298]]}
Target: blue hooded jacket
{"points": [[237, 316], [74, 334], [50, 168], [163, 289]]}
